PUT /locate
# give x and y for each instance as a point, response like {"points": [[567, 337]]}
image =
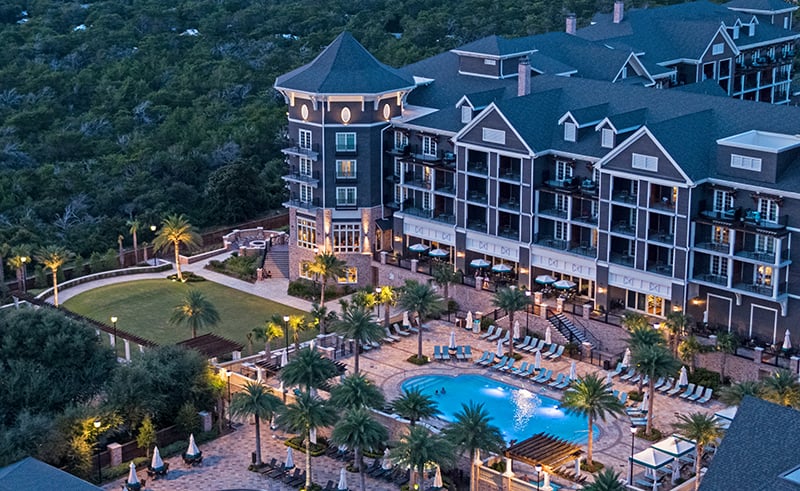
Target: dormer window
{"points": [[751, 29], [735, 32], [569, 131], [466, 114], [607, 138]]}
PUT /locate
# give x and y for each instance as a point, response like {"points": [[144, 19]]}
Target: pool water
{"points": [[518, 413]]}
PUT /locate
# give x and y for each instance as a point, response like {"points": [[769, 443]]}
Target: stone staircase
{"points": [[277, 261], [568, 329]]}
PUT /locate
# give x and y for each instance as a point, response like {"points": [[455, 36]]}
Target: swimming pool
{"points": [[518, 413]]}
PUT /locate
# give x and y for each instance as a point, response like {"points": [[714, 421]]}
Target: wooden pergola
{"points": [[211, 346], [545, 450]]}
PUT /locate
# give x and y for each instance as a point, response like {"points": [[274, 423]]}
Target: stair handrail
{"points": [[596, 343], [551, 315], [591, 337]]}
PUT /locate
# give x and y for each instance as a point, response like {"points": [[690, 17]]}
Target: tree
{"points": [[634, 320], [356, 391], [472, 430], [53, 257], [358, 323], [272, 329], [146, 438], [18, 260], [733, 394], [704, 429], [296, 324], [133, 226], [644, 336], [677, 324], [688, 349], [388, 297], [418, 448], [326, 266], [196, 311], [782, 388], [727, 344], [359, 431], [653, 361], [423, 301], [176, 231], [257, 401], [512, 300], [308, 369], [444, 274], [307, 413], [591, 397], [606, 480], [413, 405], [322, 316]]}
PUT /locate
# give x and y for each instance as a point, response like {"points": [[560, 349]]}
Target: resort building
{"points": [[648, 200]]}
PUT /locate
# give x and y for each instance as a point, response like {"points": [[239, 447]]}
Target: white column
{"points": [[547, 486], [127, 349], [111, 340]]}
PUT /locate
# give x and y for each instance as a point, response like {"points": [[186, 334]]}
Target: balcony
{"points": [[660, 268], [417, 180], [449, 190], [661, 236], [413, 154], [744, 218], [587, 219], [719, 247], [715, 279], [624, 197], [309, 205], [295, 175], [478, 168], [445, 218], [588, 187], [551, 242], [765, 257], [758, 289], [622, 258], [663, 204], [583, 249], [477, 197], [477, 225], [561, 185], [511, 204], [418, 212], [553, 212], [624, 228], [298, 151], [509, 175], [508, 232]]}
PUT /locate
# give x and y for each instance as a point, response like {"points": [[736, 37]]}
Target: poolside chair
{"points": [[678, 389], [638, 421], [552, 350], [437, 354], [488, 333], [706, 397], [617, 371], [667, 385], [460, 353], [365, 346], [506, 338], [523, 344], [509, 365], [489, 360], [413, 330], [623, 397], [536, 345], [628, 375], [399, 330], [544, 377], [698, 391], [497, 333], [635, 379], [558, 381], [390, 335], [445, 353], [658, 383], [484, 356], [522, 368], [555, 356], [564, 384], [500, 363], [467, 352], [528, 372]]}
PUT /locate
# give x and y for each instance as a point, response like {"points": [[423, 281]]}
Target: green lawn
{"points": [[144, 307]]}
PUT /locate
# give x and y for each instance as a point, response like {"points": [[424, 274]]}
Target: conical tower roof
{"points": [[345, 67]]}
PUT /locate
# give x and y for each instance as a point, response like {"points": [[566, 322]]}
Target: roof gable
{"points": [[30, 474], [643, 143], [494, 120]]}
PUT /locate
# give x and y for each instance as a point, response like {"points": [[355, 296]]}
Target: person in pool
{"points": [[443, 391]]}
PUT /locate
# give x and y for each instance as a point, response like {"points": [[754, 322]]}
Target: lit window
{"points": [[345, 169], [346, 237], [345, 142], [303, 270], [306, 233], [350, 276]]}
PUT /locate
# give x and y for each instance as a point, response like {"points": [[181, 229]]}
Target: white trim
{"points": [[642, 71], [336, 125], [480, 148], [730, 306], [762, 12], [774, 324], [723, 31], [769, 42], [480, 75], [643, 131], [475, 54], [481, 116]]}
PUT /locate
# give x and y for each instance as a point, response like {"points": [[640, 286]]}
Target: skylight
{"points": [[762, 141]]}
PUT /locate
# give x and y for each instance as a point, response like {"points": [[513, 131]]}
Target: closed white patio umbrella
{"points": [[548, 336], [573, 371], [406, 322], [537, 361], [437, 479], [787, 342], [676, 470], [289, 464], [452, 344], [468, 319], [500, 349], [192, 450], [683, 380], [626, 358], [516, 330], [342, 480], [645, 399], [156, 462], [386, 463], [285, 358], [132, 478]]}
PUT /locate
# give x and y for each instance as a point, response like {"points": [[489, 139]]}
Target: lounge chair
{"points": [[623, 397], [500, 363], [400, 330], [536, 345], [484, 356], [488, 332], [413, 330], [528, 372], [617, 371], [467, 352], [628, 375], [555, 356], [635, 379], [678, 389], [698, 391], [506, 338], [658, 383], [638, 421], [552, 350], [522, 368], [296, 481], [525, 342], [544, 377], [564, 384], [391, 336], [667, 385], [445, 353], [460, 353], [489, 360], [437, 354], [497, 333], [365, 346], [706, 397], [558, 381], [509, 365]]}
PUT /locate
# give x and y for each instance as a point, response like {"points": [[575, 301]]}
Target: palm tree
{"points": [[257, 401], [358, 323], [633, 320], [357, 391], [677, 324], [782, 388], [308, 369], [272, 329], [421, 299], [591, 397], [196, 310], [307, 413], [644, 336], [606, 480], [653, 361], [417, 448], [359, 430], [19, 258], [704, 429], [53, 257], [322, 316], [512, 300], [472, 430], [444, 274], [134, 225], [413, 405], [727, 344], [732, 395], [324, 267], [297, 324], [176, 231], [388, 297], [688, 349]]}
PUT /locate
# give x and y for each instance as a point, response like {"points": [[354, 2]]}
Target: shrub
{"points": [[298, 443], [596, 466], [654, 435], [704, 377], [188, 277], [187, 419], [572, 349], [485, 323], [452, 305], [418, 361], [635, 396]]}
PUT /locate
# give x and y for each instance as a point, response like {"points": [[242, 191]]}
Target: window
{"points": [[607, 138], [735, 32], [644, 162], [717, 49], [400, 140], [718, 266], [562, 202], [400, 168], [494, 136], [426, 201], [306, 193], [489, 62], [303, 270], [560, 231], [306, 233], [305, 139], [563, 170], [345, 169], [305, 167], [708, 70], [400, 193], [723, 200], [569, 132], [345, 142], [346, 237], [721, 235], [466, 114], [763, 276], [346, 196], [350, 276], [768, 209], [429, 146], [745, 162], [765, 243]]}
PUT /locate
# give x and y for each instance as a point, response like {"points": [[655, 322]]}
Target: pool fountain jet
{"points": [[525, 405]]}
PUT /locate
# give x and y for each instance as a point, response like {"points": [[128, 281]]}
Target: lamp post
{"points": [[97, 424], [155, 255], [114, 335], [286, 338], [527, 312], [630, 468], [378, 299], [538, 468], [24, 260], [228, 375]]}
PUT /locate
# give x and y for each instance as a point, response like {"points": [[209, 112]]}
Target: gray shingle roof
{"points": [[763, 5], [30, 474], [345, 67], [760, 444]]}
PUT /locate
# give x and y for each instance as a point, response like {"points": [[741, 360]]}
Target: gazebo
{"points": [[211, 346], [652, 460]]}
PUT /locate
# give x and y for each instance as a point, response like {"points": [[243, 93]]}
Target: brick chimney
{"points": [[524, 76], [619, 11], [572, 23]]}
